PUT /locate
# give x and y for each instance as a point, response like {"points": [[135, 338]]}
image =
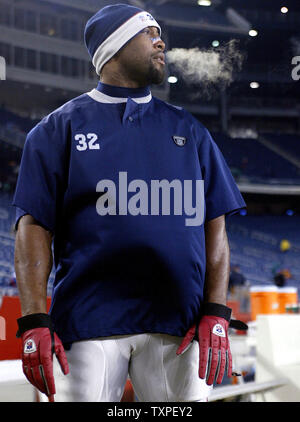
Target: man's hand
{"points": [[214, 350], [39, 343]]}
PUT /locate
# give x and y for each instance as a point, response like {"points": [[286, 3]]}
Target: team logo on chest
{"points": [[179, 140]]}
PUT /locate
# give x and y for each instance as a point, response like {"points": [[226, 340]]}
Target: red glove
{"points": [[214, 350], [39, 343]]}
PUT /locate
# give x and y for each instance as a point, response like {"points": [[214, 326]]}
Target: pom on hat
{"points": [[111, 28]]}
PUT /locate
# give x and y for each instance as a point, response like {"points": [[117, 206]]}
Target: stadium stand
{"points": [[249, 157], [10, 120], [7, 279], [8, 285], [288, 142], [255, 246]]}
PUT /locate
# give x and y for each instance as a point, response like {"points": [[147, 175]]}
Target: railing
{"points": [[246, 389]]}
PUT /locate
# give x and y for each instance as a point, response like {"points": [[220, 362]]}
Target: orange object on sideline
{"points": [[287, 296], [263, 300]]}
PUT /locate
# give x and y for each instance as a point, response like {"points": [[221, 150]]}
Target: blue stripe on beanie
{"points": [[106, 21]]}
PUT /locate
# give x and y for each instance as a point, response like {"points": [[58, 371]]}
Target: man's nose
{"points": [[158, 42]]}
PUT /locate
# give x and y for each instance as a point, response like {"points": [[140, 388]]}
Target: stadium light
{"points": [[284, 10], [172, 79], [253, 32], [204, 2], [254, 85]]}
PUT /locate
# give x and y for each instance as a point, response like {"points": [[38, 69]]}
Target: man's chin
{"points": [[156, 77]]}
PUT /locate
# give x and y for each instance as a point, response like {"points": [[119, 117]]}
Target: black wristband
{"points": [[216, 309], [31, 321], [238, 325]]}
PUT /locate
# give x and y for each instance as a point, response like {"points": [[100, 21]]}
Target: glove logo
{"points": [[29, 346], [218, 330]]}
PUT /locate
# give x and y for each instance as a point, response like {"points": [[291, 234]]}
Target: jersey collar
{"points": [[105, 93]]}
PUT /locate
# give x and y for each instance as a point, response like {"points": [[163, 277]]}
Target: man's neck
{"points": [[116, 78]]}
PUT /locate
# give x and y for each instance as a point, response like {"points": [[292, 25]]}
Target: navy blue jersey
{"points": [[125, 182]]}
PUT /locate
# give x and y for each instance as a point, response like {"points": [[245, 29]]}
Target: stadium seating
{"points": [[287, 142], [7, 241], [10, 119], [248, 157], [6, 245], [255, 247]]}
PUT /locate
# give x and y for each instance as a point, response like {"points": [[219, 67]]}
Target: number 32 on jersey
{"points": [[85, 142]]}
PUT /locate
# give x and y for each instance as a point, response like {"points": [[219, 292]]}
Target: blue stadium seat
{"points": [[255, 246], [248, 157], [287, 142]]}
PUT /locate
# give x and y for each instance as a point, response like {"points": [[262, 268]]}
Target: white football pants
{"points": [[99, 369]]}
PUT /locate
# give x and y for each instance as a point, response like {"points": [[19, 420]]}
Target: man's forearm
{"points": [[33, 263], [217, 262]]}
